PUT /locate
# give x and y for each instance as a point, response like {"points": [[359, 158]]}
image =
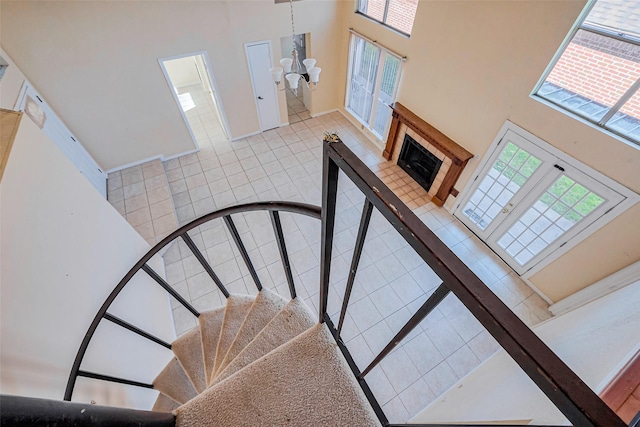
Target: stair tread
{"points": [[210, 326], [291, 321], [188, 351], [165, 404], [173, 382], [304, 382], [266, 306], [235, 312]]}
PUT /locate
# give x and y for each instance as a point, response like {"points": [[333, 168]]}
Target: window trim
{"points": [[600, 125], [384, 24]]}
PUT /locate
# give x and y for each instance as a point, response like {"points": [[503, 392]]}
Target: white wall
{"points": [[594, 340], [182, 71], [63, 249]]}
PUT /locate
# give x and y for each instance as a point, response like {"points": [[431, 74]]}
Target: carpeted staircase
{"points": [[260, 361]]}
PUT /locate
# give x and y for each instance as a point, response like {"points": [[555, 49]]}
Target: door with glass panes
{"points": [[525, 203]]}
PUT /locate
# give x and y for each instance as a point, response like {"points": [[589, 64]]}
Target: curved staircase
{"points": [[260, 361]]}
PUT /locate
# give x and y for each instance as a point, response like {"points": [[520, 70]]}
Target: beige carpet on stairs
{"points": [[266, 306], [174, 383], [305, 382], [188, 351], [210, 321], [236, 311], [165, 404], [294, 319]]}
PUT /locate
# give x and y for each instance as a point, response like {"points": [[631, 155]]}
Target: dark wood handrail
{"points": [[561, 385]]}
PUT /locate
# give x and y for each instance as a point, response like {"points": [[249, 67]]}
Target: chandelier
{"points": [[292, 69]]}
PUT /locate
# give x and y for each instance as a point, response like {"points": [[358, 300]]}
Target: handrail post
{"points": [[329, 198]]}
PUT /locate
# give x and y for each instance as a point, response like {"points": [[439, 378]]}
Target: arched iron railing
{"points": [[274, 209], [559, 383]]}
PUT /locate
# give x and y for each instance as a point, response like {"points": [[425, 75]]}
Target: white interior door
{"points": [[39, 111], [526, 203], [259, 59]]}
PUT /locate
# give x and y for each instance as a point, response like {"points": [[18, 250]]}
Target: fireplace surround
{"points": [[454, 157]]}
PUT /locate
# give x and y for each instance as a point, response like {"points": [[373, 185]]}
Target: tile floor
{"points": [[295, 107], [391, 283]]}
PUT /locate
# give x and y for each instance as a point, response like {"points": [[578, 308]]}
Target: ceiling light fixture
{"points": [[292, 69]]}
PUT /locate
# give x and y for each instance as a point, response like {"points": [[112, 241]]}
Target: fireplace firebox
{"points": [[418, 162]]}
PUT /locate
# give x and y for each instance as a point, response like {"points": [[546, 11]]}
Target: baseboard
{"points": [[324, 112], [613, 282], [235, 138], [535, 288], [184, 153], [136, 163]]}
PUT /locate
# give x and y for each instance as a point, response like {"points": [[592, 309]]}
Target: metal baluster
{"points": [[422, 312], [151, 272], [357, 252], [329, 195], [243, 251], [118, 321], [277, 228], [204, 263]]}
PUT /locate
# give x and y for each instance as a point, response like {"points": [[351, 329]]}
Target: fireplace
{"points": [[443, 162], [418, 162]]}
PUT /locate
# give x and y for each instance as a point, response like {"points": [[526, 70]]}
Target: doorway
{"points": [[193, 87], [526, 202], [297, 105], [259, 58]]}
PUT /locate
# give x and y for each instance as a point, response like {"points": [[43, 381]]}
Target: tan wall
{"points": [[96, 64], [471, 66]]}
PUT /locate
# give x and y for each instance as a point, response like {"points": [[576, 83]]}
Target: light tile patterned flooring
{"points": [[391, 283], [295, 107]]}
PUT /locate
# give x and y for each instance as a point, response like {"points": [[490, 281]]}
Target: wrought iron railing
{"points": [[274, 209], [562, 386]]}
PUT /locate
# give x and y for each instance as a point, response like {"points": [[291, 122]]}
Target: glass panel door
{"points": [[512, 171], [565, 202], [525, 203]]}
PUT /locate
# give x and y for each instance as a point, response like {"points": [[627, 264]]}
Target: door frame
{"points": [[74, 151], [253, 87], [630, 197], [212, 82]]}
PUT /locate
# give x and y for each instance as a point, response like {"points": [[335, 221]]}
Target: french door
{"points": [[526, 203], [372, 85]]}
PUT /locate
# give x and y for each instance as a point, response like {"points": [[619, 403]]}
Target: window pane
{"points": [[561, 206], [492, 195], [401, 14], [592, 74], [627, 120], [373, 8], [363, 75], [618, 16], [389, 77]]}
